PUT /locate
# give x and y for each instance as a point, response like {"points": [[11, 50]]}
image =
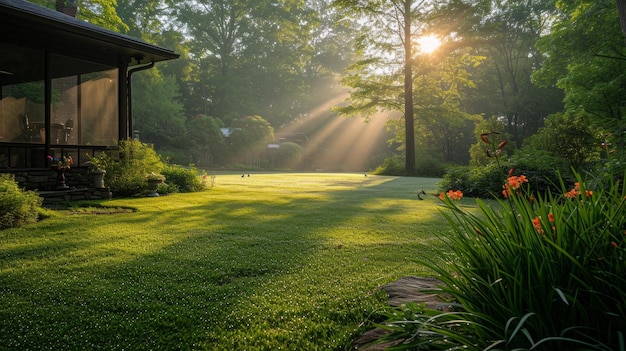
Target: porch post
{"points": [[123, 98]]}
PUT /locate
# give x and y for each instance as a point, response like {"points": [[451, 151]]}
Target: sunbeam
{"points": [[337, 143]]}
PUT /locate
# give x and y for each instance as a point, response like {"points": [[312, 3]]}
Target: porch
{"points": [[65, 90]]}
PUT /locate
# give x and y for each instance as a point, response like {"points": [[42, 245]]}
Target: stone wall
{"points": [[44, 181]]}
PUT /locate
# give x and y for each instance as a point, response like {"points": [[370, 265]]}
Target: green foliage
{"points": [[479, 182], [508, 33], [540, 163], [17, 207], [571, 136], [551, 266], [157, 114], [391, 166], [427, 165], [126, 176], [99, 162], [484, 182], [249, 139], [205, 138], [288, 155], [99, 12], [584, 54], [478, 154], [569, 247], [186, 180]]}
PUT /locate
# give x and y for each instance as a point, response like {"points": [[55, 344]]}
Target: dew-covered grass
{"points": [[266, 262]]}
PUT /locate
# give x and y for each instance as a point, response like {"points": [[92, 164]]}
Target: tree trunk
{"points": [[408, 92], [621, 11]]}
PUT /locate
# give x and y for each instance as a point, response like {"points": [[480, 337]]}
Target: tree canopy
{"points": [[284, 60]]}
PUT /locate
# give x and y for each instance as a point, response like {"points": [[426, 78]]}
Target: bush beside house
{"points": [[17, 207]]}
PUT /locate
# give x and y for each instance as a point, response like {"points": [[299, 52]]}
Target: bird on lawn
{"points": [[421, 192]]}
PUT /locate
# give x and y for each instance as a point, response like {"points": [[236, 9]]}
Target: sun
{"points": [[428, 44]]}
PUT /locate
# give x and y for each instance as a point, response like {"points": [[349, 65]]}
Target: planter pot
{"points": [[61, 178], [153, 187], [98, 179]]}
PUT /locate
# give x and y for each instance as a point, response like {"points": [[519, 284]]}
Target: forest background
{"points": [[268, 84]]}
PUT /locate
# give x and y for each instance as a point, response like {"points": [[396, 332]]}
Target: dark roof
{"points": [[22, 22]]}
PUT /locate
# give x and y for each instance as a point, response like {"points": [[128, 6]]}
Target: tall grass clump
{"points": [[17, 207], [530, 271]]}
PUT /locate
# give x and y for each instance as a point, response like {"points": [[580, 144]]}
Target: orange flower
{"points": [[537, 224], [455, 195], [502, 144], [571, 194], [614, 244], [452, 195], [576, 191], [513, 182], [551, 217]]}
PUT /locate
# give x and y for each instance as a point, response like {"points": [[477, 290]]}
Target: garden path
{"points": [[402, 291]]}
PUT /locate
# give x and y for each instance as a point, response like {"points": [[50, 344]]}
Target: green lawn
{"points": [[266, 262]]}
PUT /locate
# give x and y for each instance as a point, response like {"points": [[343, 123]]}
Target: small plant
{"points": [[99, 162], [17, 207], [154, 177], [63, 162]]}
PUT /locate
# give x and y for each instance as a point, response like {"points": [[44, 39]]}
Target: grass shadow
{"points": [[269, 261]]}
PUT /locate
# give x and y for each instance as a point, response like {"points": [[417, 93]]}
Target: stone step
{"points": [[74, 194]]}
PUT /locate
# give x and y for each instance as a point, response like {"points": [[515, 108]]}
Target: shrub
{"points": [[288, 155], [17, 207], [184, 179], [391, 166], [428, 166], [543, 169], [126, 176], [482, 182]]}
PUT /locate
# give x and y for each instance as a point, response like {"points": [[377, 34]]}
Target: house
{"points": [[65, 89]]}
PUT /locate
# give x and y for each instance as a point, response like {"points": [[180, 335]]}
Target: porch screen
{"points": [[22, 82], [84, 102]]}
